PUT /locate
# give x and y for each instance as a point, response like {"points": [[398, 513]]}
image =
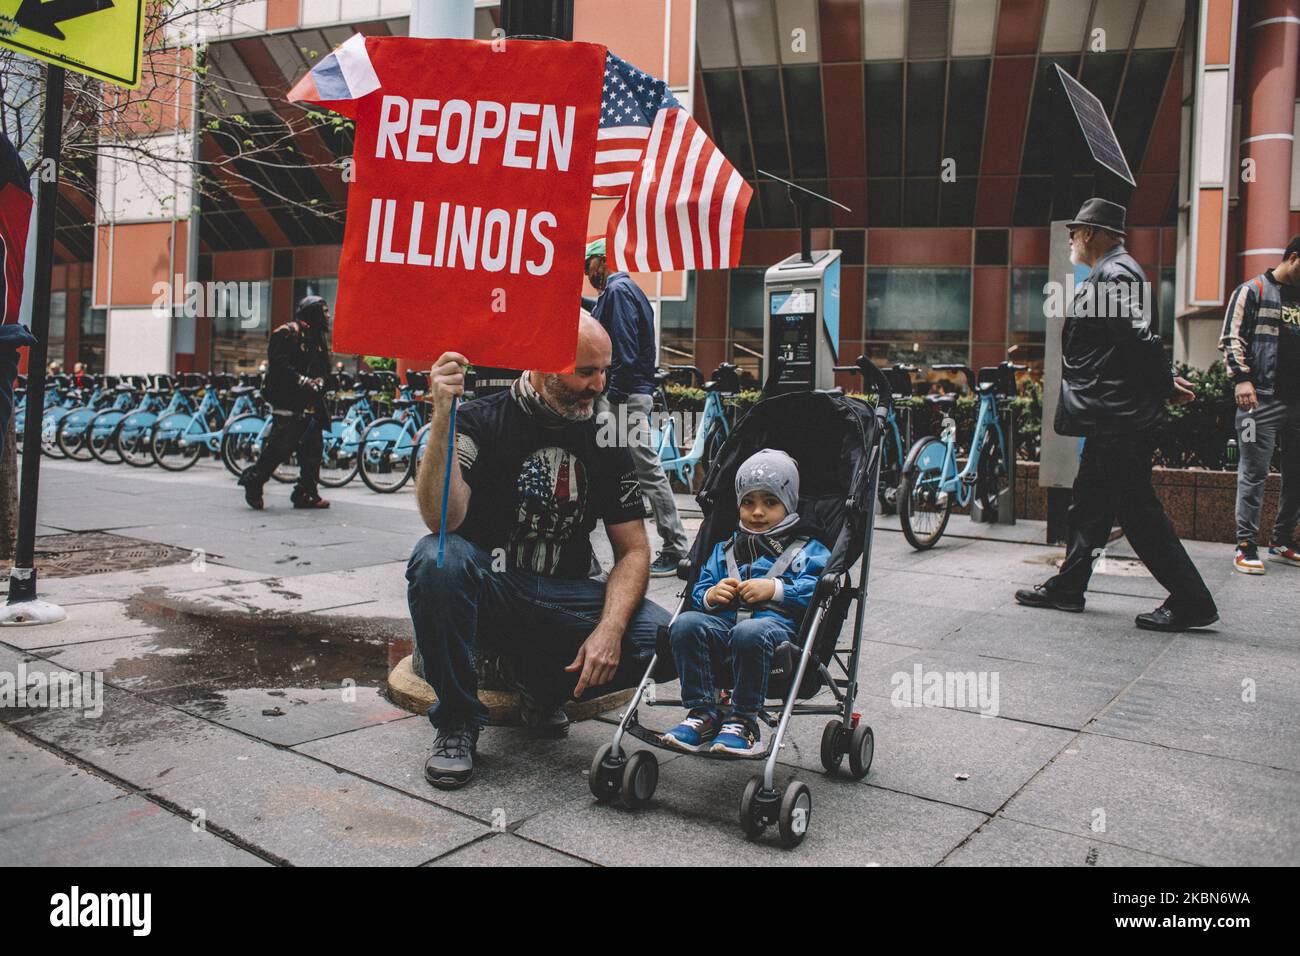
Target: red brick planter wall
{"points": [[1202, 504]]}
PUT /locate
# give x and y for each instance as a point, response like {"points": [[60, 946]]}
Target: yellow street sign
{"points": [[101, 38]]}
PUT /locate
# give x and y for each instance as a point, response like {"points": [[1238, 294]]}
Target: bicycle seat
{"points": [[242, 389], [941, 400]]}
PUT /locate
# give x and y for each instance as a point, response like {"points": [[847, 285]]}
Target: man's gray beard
{"points": [[556, 394], [1074, 256]]}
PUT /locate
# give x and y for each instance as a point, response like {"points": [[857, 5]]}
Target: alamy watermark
{"points": [[1098, 300], [956, 690], [56, 688], [213, 300], [625, 427]]}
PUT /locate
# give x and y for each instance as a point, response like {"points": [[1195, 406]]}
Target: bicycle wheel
{"points": [[993, 477], [339, 455], [386, 451], [420, 440], [891, 473], [923, 509], [133, 439], [49, 426], [239, 440], [102, 436], [72, 433], [174, 442]]}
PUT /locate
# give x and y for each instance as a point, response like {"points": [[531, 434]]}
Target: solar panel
{"points": [[1097, 131]]}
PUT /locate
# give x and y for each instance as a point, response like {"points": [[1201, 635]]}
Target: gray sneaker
{"points": [[665, 564], [451, 764]]}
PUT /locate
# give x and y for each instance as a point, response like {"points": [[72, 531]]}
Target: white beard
{"points": [[1074, 256]]}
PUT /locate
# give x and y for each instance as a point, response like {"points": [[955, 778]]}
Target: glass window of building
{"points": [[1028, 322], [58, 327], [745, 336], [677, 328], [920, 316], [326, 287], [94, 331], [241, 325]]}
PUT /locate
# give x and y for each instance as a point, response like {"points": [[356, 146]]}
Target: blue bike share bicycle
{"points": [[711, 430], [932, 481], [892, 446]]}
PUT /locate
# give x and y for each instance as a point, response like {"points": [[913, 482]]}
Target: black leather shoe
{"points": [[253, 495], [542, 722], [315, 501], [1165, 619], [1043, 596]]}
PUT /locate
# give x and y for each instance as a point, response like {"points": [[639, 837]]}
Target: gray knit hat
{"points": [[770, 470]]}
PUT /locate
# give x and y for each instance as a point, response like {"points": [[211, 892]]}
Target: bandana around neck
{"points": [[534, 406]]}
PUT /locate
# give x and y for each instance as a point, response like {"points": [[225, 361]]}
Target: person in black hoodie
{"points": [[298, 367], [1115, 380]]}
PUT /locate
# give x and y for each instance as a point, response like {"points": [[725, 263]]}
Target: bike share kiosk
{"points": [[801, 309], [801, 323]]}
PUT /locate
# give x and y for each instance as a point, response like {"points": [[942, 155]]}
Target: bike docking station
{"points": [[801, 324]]}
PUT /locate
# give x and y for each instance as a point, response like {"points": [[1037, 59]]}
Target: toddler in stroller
{"points": [[835, 440], [748, 600]]}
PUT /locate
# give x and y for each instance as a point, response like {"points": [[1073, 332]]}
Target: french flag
{"points": [[346, 74]]}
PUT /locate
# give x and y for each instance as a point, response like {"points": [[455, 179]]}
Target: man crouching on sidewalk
{"points": [[528, 483]]}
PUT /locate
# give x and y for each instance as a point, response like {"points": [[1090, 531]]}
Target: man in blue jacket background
{"points": [[625, 312]]}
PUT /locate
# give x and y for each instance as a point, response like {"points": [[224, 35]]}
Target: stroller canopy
{"points": [[831, 438]]}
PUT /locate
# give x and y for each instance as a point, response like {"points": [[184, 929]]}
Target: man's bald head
{"points": [[573, 395]]}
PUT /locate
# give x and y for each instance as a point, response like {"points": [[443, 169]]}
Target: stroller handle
{"points": [[874, 378]]}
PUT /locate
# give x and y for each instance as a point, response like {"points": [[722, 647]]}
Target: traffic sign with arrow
{"points": [[101, 38]]}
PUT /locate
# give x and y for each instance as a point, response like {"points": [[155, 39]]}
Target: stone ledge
{"points": [[410, 692]]}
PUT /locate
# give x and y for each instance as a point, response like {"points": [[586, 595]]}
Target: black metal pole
{"points": [[542, 18], [22, 580]]}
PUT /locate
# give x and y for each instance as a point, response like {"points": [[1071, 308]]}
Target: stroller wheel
{"points": [[796, 814], [862, 747], [751, 809], [833, 745], [640, 777], [606, 777]]}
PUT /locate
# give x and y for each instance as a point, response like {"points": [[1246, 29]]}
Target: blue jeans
{"points": [[536, 622], [745, 647]]}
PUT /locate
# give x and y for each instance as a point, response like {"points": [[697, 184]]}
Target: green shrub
{"points": [[1194, 435]]}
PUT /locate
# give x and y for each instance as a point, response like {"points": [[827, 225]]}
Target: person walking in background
{"points": [[298, 366], [1261, 347], [1115, 380], [625, 312]]}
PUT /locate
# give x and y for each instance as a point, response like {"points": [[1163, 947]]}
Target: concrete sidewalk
{"points": [[243, 723]]}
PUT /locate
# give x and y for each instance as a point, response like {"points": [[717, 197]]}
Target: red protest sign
{"points": [[468, 212]]}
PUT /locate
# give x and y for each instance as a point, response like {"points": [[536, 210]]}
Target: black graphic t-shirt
{"points": [[538, 491], [1287, 381]]}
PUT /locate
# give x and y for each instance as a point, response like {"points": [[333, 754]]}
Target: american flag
{"points": [[681, 204]]}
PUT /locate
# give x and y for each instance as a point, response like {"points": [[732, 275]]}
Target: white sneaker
{"points": [[1247, 559]]}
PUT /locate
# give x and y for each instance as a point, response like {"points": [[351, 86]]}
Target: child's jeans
{"points": [[745, 647]]}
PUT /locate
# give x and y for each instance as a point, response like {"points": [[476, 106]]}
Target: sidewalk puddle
{"points": [[249, 669]]}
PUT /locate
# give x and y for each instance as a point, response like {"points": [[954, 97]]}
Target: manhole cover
{"points": [[98, 552]]}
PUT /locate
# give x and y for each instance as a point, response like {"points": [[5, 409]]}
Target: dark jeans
{"points": [[1114, 483], [745, 650], [536, 622], [290, 433]]}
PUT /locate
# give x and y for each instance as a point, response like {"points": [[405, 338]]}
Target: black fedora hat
{"points": [[1100, 214]]}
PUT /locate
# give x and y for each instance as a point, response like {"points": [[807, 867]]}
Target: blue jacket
{"points": [[625, 313], [798, 582]]}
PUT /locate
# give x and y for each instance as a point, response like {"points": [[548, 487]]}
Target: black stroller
{"points": [[836, 443]]}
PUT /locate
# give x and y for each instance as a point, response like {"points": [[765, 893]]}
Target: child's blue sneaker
{"points": [[739, 735], [695, 732]]}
